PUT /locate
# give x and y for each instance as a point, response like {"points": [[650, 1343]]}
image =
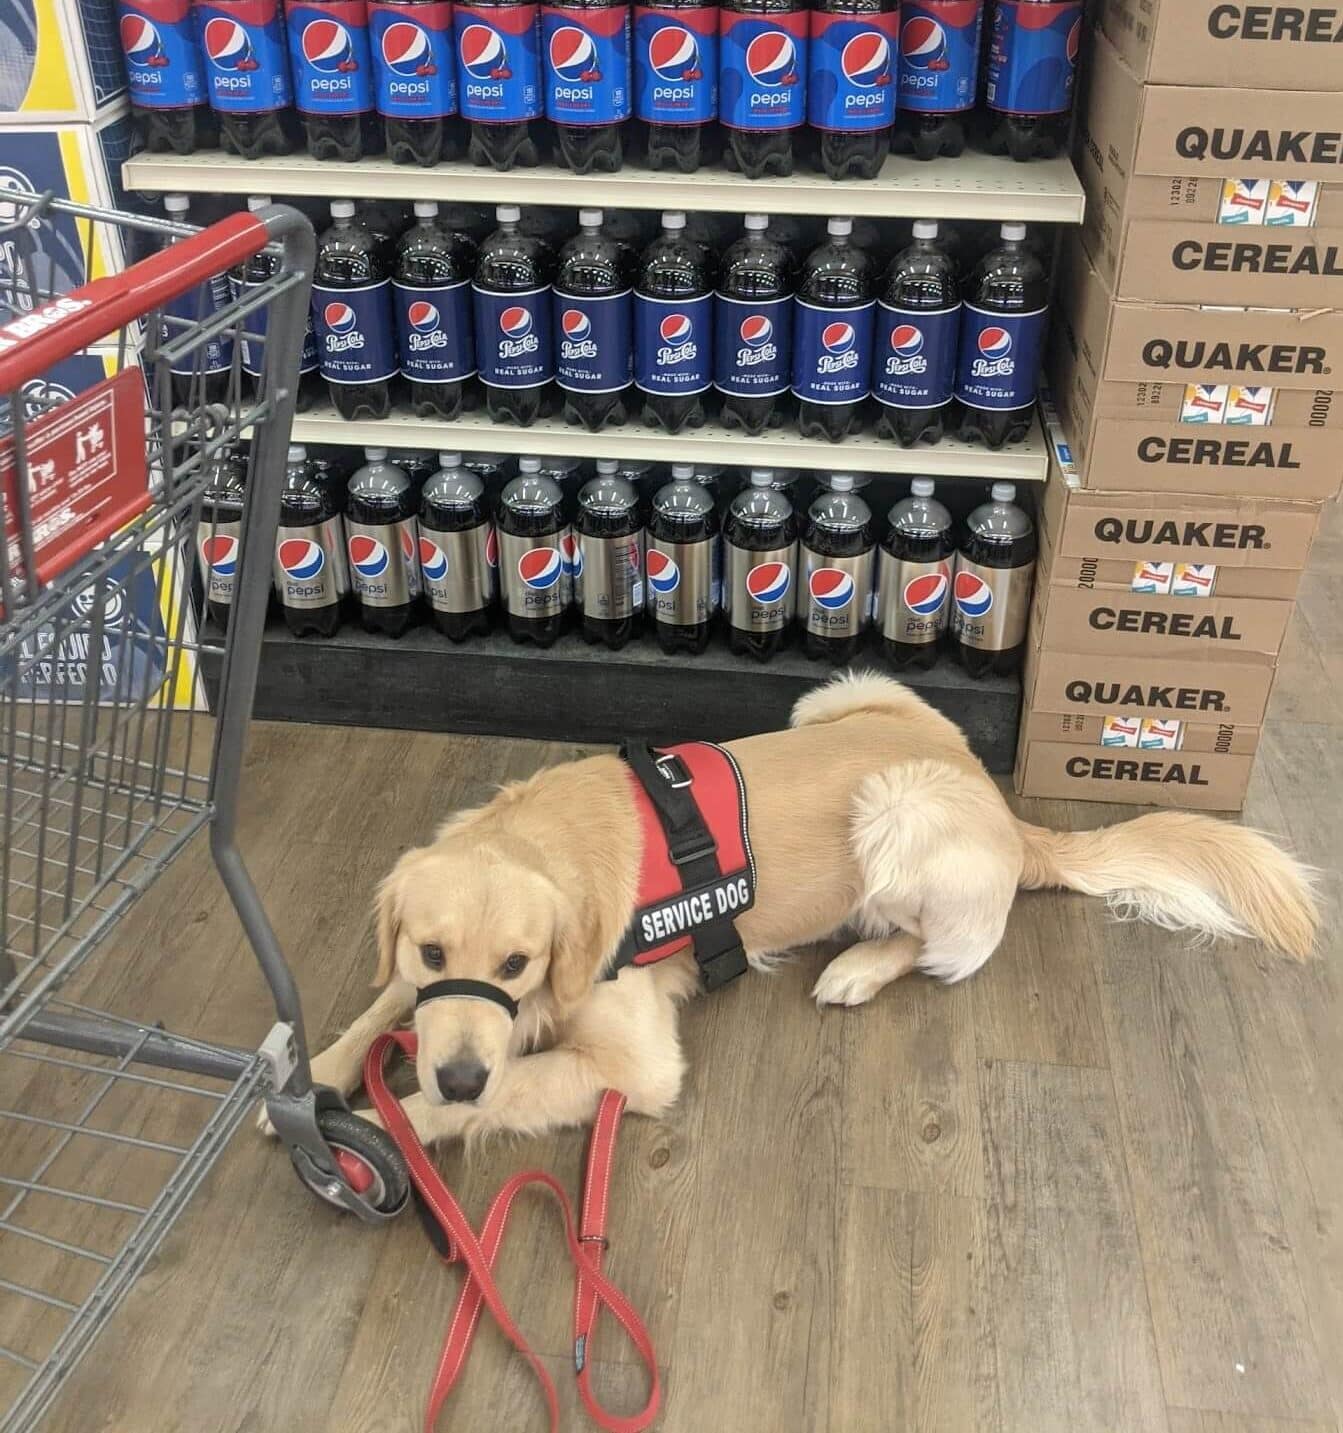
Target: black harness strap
{"points": [[467, 990]]}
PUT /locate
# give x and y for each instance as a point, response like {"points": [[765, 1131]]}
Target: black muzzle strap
{"points": [[467, 990]]}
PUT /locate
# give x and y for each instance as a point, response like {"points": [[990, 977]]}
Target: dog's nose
{"points": [[461, 1081]]}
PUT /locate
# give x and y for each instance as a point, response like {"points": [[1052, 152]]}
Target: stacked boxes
{"points": [[1199, 328]]}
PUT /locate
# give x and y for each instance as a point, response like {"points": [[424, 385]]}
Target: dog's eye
{"points": [[432, 955], [513, 966]]}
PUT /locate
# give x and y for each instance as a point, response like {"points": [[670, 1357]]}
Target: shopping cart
{"points": [[109, 766]]}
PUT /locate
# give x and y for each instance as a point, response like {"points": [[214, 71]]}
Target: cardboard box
{"points": [[62, 61], [1215, 404], [1194, 781], [1135, 733], [1165, 579], [1238, 202]]}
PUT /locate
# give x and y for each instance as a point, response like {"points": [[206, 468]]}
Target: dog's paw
{"points": [[849, 979]]}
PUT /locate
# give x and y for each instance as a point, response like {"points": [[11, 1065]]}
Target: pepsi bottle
{"points": [[759, 566], [1003, 324], [415, 80], [312, 580], [536, 556], [851, 88], [938, 77], [501, 88], [1032, 67], [762, 82], [753, 329], [431, 297], [586, 45], [914, 350], [201, 375], [593, 326], [512, 305], [914, 578], [832, 336], [459, 550], [382, 544], [352, 314], [834, 600], [418, 464], [608, 582], [248, 73], [165, 76], [991, 587], [673, 328], [219, 533], [682, 564], [676, 82], [332, 73]]}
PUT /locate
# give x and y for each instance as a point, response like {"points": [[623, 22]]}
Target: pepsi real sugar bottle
{"points": [[247, 72], [851, 88], [332, 72], [609, 558], [382, 544], [753, 328], [586, 50], [459, 550], [914, 578], [938, 75], [676, 82], [682, 565], [1033, 47], [431, 298], [762, 82], [202, 374], [501, 87], [593, 326], [918, 331], [312, 578], [991, 586], [759, 567], [832, 336], [834, 599], [1003, 325], [165, 75], [536, 556], [352, 315], [219, 533], [511, 301], [415, 79], [673, 328]]}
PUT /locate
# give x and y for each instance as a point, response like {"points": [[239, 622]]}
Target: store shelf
{"points": [[1023, 463], [574, 692], [975, 186]]}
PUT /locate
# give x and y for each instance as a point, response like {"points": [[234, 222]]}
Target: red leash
{"points": [[587, 1244]]}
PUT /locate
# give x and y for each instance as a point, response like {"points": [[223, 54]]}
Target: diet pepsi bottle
{"points": [[1033, 46], [165, 75], [1003, 326], [382, 544], [247, 70], [415, 79], [753, 329], [682, 564], [762, 82], [332, 73], [991, 588], [673, 328], [834, 600], [608, 582], [918, 329], [676, 82], [594, 336], [851, 89], [352, 314], [938, 75], [759, 563], [431, 297], [536, 556], [219, 533], [459, 550], [914, 578], [201, 375], [586, 44], [501, 87], [832, 336], [312, 580], [512, 305]]}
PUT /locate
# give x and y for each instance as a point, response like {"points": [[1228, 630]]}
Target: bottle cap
{"points": [[426, 209], [257, 201], [296, 454], [762, 477], [589, 218], [1013, 233], [449, 460], [683, 472], [342, 208], [606, 466], [176, 203], [673, 219], [508, 214], [1003, 492], [926, 228], [529, 465], [839, 227], [375, 455], [840, 482], [922, 488], [755, 221]]}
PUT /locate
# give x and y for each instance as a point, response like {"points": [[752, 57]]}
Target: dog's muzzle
{"points": [[467, 990]]}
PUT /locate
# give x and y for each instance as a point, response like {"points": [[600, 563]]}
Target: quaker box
{"points": [[1189, 780], [1137, 733]]}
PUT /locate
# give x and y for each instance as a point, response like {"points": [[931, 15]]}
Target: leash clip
{"points": [[673, 771]]}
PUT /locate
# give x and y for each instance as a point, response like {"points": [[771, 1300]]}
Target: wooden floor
{"points": [[1099, 1187]]}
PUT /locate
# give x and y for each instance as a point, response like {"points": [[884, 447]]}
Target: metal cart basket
{"points": [[109, 766]]}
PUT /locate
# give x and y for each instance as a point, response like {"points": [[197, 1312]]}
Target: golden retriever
{"points": [[869, 813]]}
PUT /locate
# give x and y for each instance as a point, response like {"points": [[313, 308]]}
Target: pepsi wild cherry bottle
{"points": [[247, 71], [1032, 67], [676, 82], [762, 82], [332, 72], [586, 48], [851, 88], [938, 75], [352, 316], [501, 87], [165, 73], [415, 79]]}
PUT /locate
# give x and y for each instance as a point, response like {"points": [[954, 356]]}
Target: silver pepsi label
{"points": [[537, 573], [610, 585], [219, 545], [834, 598], [914, 604], [991, 605], [458, 569], [758, 587], [683, 581], [384, 561], [310, 566]]}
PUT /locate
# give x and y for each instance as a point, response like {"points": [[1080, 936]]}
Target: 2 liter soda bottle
{"points": [[851, 89], [165, 74], [511, 300], [382, 544], [673, 328], [938, 75], [431, 297], [914, 578], [991, 588], [415, 79], [759, 567], [534, 538], [834, 600], [332, 72], [248, 74], [762, 82], [586, 46], [676, 82], [458, 549], [1033, 48], [312, 579], [753, 329], [594, 337], [219, 533], [609, 558], [501, 84], [202, 374], [683, 564]]}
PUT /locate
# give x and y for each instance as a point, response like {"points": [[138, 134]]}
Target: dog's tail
{"points": [[1183, 872]]}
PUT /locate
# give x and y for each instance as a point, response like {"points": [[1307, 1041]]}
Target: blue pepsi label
{"points": [[414, 59], [673, 344], [513, 338], [355, 333], [999, 364], [433, 331], [914, 356], [676, 65], [762, 70], [593, 344], [160, 40], [587, 58], [195, 306], [1033, 56], [253, 342], [832, 352], [939, 55], [499, 62], [245, 61], [851, 86], [329, 56], [753, 346]]}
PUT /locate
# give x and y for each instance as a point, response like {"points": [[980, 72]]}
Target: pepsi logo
{"points": [[407, 545], [756, 331], [483, 53], [406, 50], [573, 55], [974, 596], [571, 555], [339, 317], [492, 548], [664, 576], [923, 44], [433, 561], [769, 582], [301, 558], [423, 316], [926, 595], [227, 45], [540, 567], [368, 556], [866, 60], [1074, 41], [906, 340], [994, 342], [675, 328], [515, 322], [327, 46], [141, 42], [219, 552], [673, 55], [831, 588], [838, 337], [575, 324], [771, 59]]}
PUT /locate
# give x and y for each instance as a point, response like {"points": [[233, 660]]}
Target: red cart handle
{"points": [[35, 342]]}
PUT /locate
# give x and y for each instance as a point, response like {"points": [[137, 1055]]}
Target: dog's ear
{"points": [[576, 951], [387, 919]]}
